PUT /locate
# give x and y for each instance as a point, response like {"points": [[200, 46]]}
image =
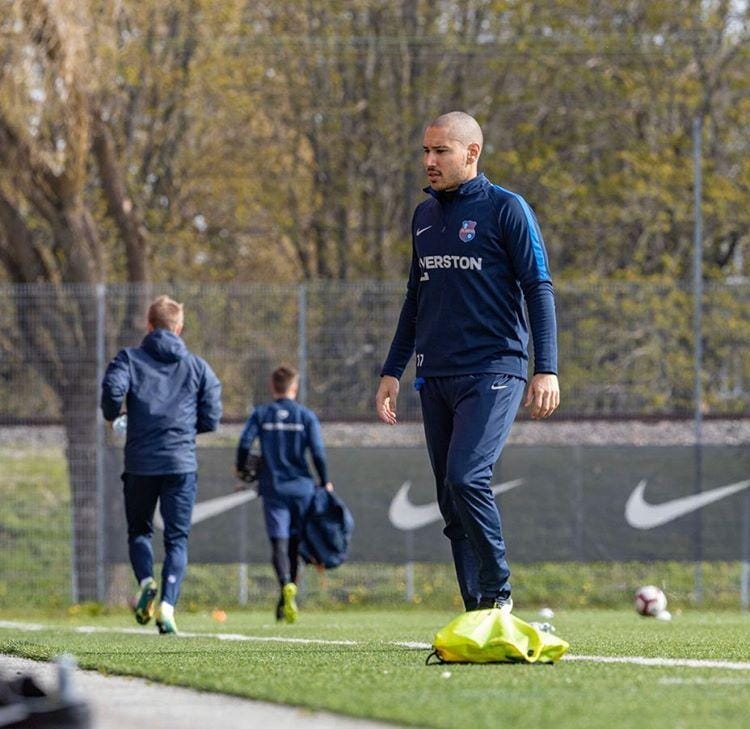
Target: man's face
{"points": [[447, 162]]}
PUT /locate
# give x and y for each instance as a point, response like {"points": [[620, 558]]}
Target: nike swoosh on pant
{"points": [[641, 515], [212, 507], [498, 387], [404, 515]]}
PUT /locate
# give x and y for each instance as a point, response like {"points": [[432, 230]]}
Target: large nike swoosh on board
{"points": [[212, 507], [405, 515], [642, 515]]}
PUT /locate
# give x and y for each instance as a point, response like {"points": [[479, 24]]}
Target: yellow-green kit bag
{"points": [[495, 636]]}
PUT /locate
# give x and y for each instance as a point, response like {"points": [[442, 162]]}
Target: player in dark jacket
{"points": [[477, 257], [170, 395], [286, 431]]}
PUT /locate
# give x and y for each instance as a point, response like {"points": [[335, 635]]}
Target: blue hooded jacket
{"points": [[170, 396]]}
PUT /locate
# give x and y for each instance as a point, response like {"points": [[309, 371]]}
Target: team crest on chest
{"points": [[468, 231]]}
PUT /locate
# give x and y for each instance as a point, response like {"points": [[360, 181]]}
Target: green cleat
{"points": [[166, 625], [144, 602], [289, 592]]}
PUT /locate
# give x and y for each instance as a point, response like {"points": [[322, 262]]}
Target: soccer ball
{"points": [[650, 601]]}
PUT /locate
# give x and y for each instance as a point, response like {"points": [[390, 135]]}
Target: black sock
{"points": [[280, 560], [293, 553]]}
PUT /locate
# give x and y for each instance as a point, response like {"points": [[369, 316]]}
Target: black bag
{"points": [[327, 530]]}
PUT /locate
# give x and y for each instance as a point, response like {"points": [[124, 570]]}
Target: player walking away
{"points": [[286, 431], [477, 254], [170, 395]]}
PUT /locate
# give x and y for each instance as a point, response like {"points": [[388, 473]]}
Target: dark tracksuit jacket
{"points": [[286, 431], [477, 254]]}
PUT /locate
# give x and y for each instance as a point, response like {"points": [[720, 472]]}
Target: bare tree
{"points": [[48, 234]]}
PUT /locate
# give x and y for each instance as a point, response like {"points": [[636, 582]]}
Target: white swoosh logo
{"points": [[498, 387], [422, 230], [642, 515], [212, 507], [405, 515]]}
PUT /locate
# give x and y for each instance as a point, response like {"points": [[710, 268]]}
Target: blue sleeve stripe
{"points": [[536, 238]]}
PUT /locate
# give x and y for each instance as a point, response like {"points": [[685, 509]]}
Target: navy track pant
{"points": [[467, 419], [176, 495]]}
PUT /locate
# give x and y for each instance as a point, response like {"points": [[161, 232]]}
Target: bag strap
{"points": [[432, 655]]}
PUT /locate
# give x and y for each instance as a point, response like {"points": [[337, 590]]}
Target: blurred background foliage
{"points": [[256, 141], [177, 146]]}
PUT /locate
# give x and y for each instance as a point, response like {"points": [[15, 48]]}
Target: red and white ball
{"points": [[650, 601]]}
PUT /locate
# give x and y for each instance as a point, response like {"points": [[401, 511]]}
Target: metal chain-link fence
{"points": [[625, 350]]}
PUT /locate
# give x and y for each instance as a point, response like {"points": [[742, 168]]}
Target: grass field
{"points": [[350, 661], [350, 657]]}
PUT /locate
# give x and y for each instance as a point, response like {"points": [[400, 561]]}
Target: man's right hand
{"points": [[385, 399], [239, 484]]}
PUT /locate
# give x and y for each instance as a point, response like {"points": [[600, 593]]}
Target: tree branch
{"points": [[120, 204]]}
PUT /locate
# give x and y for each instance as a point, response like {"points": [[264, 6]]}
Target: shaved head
{"points": [[451, 148], [461, 127]]}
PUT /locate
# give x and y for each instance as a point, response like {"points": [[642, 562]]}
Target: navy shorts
{"points": [[285, 514]]}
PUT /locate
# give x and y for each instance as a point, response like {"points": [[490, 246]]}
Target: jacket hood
{"points": [[165, 346]]}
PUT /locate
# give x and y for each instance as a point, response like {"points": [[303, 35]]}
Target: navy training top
{"points": [[286, 430], [170, 395], [477, 253]]}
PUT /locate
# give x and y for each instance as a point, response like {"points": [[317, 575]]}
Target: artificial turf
{"points": [[375, 677]]}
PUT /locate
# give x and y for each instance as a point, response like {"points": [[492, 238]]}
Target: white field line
{"points": [[413, 645], [218, 636], [697, 681], [12, 625], [662, 662]]}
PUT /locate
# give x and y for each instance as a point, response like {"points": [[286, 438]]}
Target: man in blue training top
{"points": [[286, 431], [477, 254], [170, 395]]}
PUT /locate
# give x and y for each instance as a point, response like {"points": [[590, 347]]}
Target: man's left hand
{"points": [[542, 396]]}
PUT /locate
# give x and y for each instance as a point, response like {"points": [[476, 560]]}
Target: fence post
{"points": [[101, 290], [302, 342], [745, 554], [242, 579], [409, 566], [242, 567], [578, 517], [697, 319]]}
